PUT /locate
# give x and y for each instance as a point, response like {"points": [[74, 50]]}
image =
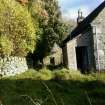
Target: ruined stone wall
{"points": [[56, 54], [99, 40], [85, 39], [12, 65], [57, 59], [71, 54]]}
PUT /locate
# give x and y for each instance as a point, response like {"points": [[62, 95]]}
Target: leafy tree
{"points": [[55, 30], [38, 12], [51, 27], [17, 28], [55, 24]]}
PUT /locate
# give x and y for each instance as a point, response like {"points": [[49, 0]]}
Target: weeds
{"points": [[67, 90], [35, 102], [50, 92], [90, 103]]}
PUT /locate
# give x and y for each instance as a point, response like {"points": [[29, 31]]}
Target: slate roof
{"points": [[85, 23]]}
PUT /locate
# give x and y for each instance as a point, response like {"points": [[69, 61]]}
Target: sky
{"points": [[70, 8]]}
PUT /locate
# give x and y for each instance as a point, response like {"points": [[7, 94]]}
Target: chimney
{"points": [[80, 16]]}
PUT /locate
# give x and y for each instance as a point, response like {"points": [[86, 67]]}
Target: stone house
{"points": [[84, 48], [55, 56]]}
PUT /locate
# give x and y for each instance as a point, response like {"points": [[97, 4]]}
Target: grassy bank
{"points": [[53, 88]]}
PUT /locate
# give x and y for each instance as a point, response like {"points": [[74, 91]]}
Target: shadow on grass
{"points": [[32, 92]]}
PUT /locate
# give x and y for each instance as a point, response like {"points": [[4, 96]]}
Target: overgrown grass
{"points": [[56, 87]]}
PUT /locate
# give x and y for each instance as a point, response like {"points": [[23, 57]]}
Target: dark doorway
{"points": [[52, 61], [82, 58]]}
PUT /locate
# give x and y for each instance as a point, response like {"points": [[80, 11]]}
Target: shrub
{"points": [[44, 74], [16, 24], [66, 74], [28, 74], [6, 46]]}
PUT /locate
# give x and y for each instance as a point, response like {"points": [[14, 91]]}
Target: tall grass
{"points": [[58, 87]]}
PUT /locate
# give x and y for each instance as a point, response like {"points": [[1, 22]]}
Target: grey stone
{"points": [[13, 66]]}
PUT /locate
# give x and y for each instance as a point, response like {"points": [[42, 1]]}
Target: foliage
{"points": [[51, 27], [6, 46], [44, 74], [44, 27], [56, 28], [58, 74], [69, 27], [25, 89], [38, 12], [65, 74], [16, 24]]}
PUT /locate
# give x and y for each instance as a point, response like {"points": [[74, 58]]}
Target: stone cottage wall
{"points": [[69, 52], [12, 65], [99, 40]]}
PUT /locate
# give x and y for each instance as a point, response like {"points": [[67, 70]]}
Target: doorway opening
{"points": [[82, 58], [52, 61]]}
